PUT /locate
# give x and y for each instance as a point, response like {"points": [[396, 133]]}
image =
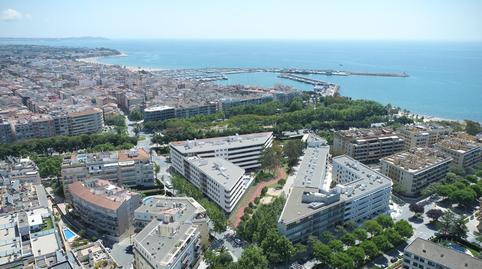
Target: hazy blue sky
{"points": [[257, 19]]}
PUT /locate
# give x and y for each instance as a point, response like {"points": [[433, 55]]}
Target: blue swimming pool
{"points": [[69, 234], [457, 247]]}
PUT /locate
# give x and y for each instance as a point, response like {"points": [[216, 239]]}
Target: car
{"points": [[394, 259]]}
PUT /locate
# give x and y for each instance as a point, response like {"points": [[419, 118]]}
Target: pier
{"points": [[314, 82]]}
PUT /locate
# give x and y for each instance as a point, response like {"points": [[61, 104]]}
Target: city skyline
{"points": [[312, 20]]}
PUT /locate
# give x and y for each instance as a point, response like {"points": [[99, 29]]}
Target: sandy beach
{"points": [[95, 60]]}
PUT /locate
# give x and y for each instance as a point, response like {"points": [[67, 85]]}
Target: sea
{"points": [[445, 78]]}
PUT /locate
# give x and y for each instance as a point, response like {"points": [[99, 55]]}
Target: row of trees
{"points": [[355, 246], [46, 146], [216, 214], [331, 112], [252, 257], [458, 189]]}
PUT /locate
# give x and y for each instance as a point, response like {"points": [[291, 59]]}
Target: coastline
{"points": [[95, 60]]}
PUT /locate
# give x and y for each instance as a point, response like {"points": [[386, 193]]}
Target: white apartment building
{"points": [[418, 136], [415, 169], [313, 206], [367, 145], [167, 246], [242, 150], [220, 180], [425, 254]]}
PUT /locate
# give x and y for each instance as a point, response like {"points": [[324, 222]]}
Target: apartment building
{"points": [[422, 253], [464, 149], [167, 112], [124, 167], [6, 133], [85, 121], [174, 245], [415, 169], [103, 208], [242, 150], [165, 210], [18, 168], [313, 206], [420, 135], [91, 255], [367, 145], [219, 179], [37, 126]]}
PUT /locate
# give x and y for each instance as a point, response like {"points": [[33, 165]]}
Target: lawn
{"points": [[48, 224]]}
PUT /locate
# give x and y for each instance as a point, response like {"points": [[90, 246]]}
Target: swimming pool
{"points": [[68, 234]]}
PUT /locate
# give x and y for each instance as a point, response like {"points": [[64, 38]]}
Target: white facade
{"points": [[242, 150], [217, 178]]}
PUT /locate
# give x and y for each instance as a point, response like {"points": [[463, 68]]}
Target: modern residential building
{"points": [[174, 245], [132, 167], [34, 127], [422, 253], [85, 121], [219, 179], [313, 206], [165, 210], [160, 113], [367, 145], [242, 150], [103, 208], [464, 149], [420, 135], [415, 169]]}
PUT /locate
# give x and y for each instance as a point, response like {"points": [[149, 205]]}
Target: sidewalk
{"points": [[280, 174]]}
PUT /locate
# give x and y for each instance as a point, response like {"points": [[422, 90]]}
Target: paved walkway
{"points": [[280, 174]]}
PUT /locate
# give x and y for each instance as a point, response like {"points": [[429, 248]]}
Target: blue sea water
{"points": [[445, 77]]}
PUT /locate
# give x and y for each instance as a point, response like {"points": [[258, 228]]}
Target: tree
{"points": [[336, 245], [341, 260], [385, 221], [252, 257], [277, 247], [393, 236], [403, 228], [416, 208], [360, 234], [322, 253], [350, 225], [135, 115], [472, 127], [348, 239], [434, 214], [269, 159], [459, 228], [371, 250], [382, 242], [372, 227], [219, 260], [357, 254], [465, 197], [293, 150], [446, 222], [326, 236]]}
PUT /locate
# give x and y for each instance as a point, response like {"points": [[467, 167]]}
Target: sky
{"points": [[459, 20]]}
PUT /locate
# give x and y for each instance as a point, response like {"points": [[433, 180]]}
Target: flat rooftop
{"points": [[312, 170], [417, 159], [184, 208], [224, 172], [367, 133], [101, 193], [162, 242], [420, 128], [368, 182], [443, 255], [110, 157], [461, 144], [224, 142], [157, 108]]}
